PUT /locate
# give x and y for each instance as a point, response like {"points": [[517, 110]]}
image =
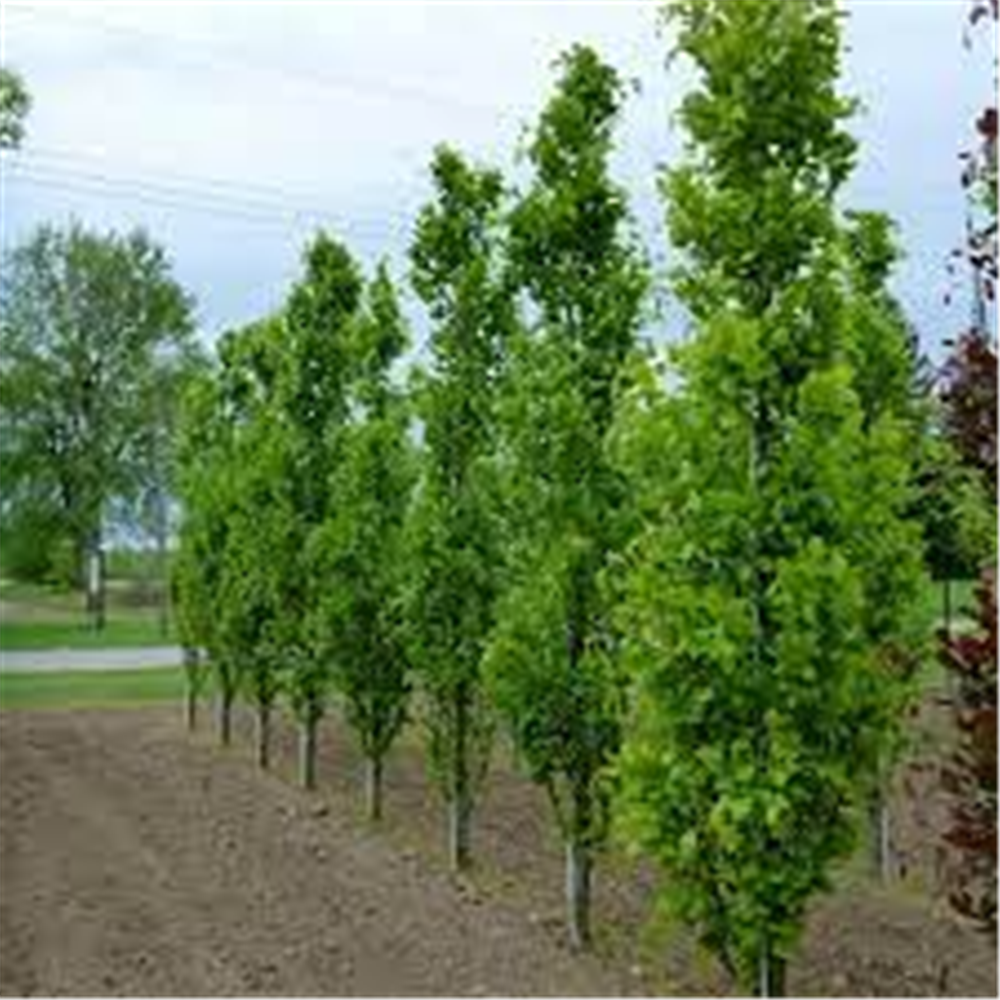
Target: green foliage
{"points": [[204, 466], [955, 512], [452, 533], [568, 252], [15, 103], [766, 608], [320, 331], [751, 203], [551, 657], [87, 318], [357, 551]]}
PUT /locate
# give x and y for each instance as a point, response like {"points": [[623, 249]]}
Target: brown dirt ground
{"points": [[138, 860]]}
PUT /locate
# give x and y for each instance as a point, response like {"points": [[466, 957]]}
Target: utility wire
{"points": [[80, 184], [207, 197], [241, 192]]}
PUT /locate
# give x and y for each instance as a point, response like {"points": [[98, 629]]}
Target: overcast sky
{"points": [[232, 130]]}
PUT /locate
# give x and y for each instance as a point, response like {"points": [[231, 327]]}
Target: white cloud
{"points": [[340, 104]]}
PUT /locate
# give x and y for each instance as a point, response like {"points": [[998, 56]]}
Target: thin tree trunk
{"points": [[950, 686], [263, 734], [192, 667], [578, 874], [460, 804], [161, 547], [224, 706], [191, 706], [880, 824], [373, 787], [94, 577], [770, 974], [307, 749]]}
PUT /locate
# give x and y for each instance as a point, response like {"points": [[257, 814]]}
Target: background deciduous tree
{"points": [[15, 103], [85, 315]]}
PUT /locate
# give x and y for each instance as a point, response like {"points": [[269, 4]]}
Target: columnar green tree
{"points": [[205, 491], [766, 601], [552, 656], [320, 320], [892, 382], [261, 544], [453, 542], [358, 549]]}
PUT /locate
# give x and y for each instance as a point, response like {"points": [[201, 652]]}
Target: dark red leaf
{"points": [[988, 123]]}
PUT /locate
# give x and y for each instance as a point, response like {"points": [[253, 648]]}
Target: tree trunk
{"points": [[191, 706], [263, 734], [373, 788], [94, 577], [307, 750], [951, 688], [880, 823], [161, 547], [459, 834], [224, 707], [460, 803], [578, 873], [192, 668], [770, 974]]}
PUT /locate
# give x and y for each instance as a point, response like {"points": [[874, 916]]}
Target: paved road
{"points": [[19, 661]]}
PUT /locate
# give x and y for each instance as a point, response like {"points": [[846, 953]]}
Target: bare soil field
{"points": [[136, 860]]}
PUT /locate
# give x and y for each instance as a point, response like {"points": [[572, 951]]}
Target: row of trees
{"points": [[684, 584]]}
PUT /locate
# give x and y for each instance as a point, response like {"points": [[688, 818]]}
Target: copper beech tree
{"points": [[969, 396]]}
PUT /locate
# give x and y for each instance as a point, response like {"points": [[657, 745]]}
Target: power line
{"points": [[242, 192], [70, 182], [248, 190], [189, 191]]}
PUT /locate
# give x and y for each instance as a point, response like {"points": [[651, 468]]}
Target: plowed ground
{"points": [[136, 859]]}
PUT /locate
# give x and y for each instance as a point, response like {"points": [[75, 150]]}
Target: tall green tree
{"points": [[85, 316], [767, 601], [15, 103], [359, 551], [321, 317], [552, 656], [453, 542], [261, 542], [205, 490]]}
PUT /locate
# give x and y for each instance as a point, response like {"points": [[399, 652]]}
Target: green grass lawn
{"points": [[92, 688], [133, 631], [38, 617]]}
